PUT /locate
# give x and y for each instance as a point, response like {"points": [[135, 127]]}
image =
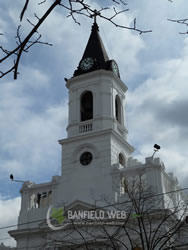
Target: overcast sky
{"points": [[33, 109]]}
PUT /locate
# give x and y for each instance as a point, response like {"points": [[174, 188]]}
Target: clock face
{"points": [[115, 68], [86, 158], [87, 63]]}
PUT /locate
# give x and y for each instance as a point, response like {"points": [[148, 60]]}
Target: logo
{"points": [[57, 215]]}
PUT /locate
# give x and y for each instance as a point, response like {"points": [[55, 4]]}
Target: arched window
{"points": [[123, 185], [118, 109], [121, 159], [86, 106]]}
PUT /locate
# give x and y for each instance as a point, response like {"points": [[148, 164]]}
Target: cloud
{"points": [[158, 113], [9, 211], [122, 45], [31, 127], [33, 109], [70, 39]]}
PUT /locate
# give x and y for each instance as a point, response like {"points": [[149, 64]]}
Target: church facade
{"points": [[96, 163]]}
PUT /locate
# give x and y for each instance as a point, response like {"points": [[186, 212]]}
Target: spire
{"points": [[95, 47], [95, 56]]}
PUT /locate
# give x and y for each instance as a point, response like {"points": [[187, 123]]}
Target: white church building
{"points": [[96, 157]]}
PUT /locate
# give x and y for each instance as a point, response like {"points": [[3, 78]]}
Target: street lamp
{"points": [[156, 149], [12, 179]]}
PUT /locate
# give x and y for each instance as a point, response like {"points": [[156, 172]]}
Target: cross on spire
{"points": [[95, 14]]}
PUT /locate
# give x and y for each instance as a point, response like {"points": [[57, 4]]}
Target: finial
{"points": [[94, 15]]}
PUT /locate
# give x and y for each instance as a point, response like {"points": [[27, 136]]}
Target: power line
{"points": [[6, 238], [109, 205], [16, 225], [10, 238], [17, 248]]}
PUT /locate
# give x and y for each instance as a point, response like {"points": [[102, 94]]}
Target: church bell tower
{"points": [[96, 132]]}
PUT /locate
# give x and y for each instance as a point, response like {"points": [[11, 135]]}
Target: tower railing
{"points": [[85, 127]]}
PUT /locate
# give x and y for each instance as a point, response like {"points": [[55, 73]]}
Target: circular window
{"points": [[86, 158]]}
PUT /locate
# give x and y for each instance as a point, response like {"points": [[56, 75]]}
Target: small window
{"points": [[121, 160], [118, 109], [123, 185], [32, 201], [49, 197], [86, 106], [44, 199], [38, 200]]}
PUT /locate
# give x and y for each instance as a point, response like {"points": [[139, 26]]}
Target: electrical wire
{"points": [[109, 205], [10, 238], [36, 247], [6, 239], [25, 223]]}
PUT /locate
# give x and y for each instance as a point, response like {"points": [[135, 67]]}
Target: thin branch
{"points": [[42, 2], [74, 7], [36, 16], [23, 10], [30, 22], [180, 21], [20, 48]]}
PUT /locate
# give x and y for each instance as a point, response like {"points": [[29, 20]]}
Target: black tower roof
{"points": [[95, 50]]}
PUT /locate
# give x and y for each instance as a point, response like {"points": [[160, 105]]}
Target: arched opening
{"points": [[86, 106], [118, 109], [121, 159], [123, 185]]}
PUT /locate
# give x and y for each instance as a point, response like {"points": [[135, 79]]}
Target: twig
{"points": [[24, 9], [21, 47], [74, 7], [42, 2], [180, 21]]}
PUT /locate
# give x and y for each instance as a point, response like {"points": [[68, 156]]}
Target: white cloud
{"points": [[69, 40], [123, 45], [158, 113], [9, 210], [29, 134], [33, 109]]}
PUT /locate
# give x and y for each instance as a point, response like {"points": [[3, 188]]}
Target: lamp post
{"points": [[12, 179], [156, 149]]}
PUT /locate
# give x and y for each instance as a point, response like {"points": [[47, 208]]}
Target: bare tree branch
{"points": [[74, 8], [154, 226], [180, 21], [20, 48], [42, 2], [24, 9]]}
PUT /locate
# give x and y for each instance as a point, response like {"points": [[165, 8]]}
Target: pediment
{"points": [[79, 205]]}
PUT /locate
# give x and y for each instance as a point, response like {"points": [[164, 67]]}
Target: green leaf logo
{"points": [[57, 213]]}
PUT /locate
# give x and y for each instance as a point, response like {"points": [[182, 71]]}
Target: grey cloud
{"points": [[171, 113]]}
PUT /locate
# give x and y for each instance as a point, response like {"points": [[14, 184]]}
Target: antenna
{"points": [[12, 179], [156, 149]]}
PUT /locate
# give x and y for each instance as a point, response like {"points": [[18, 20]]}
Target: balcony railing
{"points": [[85, 127]]}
